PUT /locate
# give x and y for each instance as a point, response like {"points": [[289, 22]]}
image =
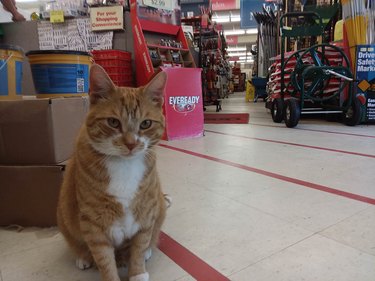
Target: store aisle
{"points": [[250, 202]]}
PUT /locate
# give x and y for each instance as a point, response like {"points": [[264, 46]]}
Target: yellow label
{"points": [[57, 16]]}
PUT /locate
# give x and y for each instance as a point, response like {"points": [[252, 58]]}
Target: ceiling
{"points": [[230, 20]]}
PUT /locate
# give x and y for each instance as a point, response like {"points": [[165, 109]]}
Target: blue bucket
{"points": [[60, 73]]}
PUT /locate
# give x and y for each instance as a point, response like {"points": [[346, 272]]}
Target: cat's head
{"points": [[122, 121]]}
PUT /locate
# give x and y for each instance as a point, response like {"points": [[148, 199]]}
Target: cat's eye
{"points": [[146, 124], [113, 122]]}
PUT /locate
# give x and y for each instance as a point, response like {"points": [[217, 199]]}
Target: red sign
{"points": [[232, 39], [183, 103], [224, 5]]}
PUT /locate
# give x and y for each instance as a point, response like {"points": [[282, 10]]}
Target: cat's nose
{"points": [[130, 146]]}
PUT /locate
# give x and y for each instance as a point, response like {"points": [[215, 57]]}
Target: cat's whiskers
{"points": [[150, 156]]}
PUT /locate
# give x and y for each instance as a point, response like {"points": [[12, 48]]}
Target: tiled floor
{"points": [[257, 202]]}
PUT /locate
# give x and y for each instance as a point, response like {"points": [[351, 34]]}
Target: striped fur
{"points": [[111, 205]]}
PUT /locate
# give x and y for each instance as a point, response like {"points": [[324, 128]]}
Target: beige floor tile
{"points": [[288, 201], [230, 236], [315, 259], [357, 231], [53, 261], [12, 241]]}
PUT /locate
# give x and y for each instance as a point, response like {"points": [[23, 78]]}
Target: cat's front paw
{"points": [[83, 264], [140, 277]]}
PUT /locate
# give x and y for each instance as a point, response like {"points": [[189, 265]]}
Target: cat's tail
{"points": [[168, 200]]}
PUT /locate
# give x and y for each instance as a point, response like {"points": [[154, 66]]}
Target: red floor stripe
{"points": [[313, 130], [189, 262], [295, 144], [277, 176]]}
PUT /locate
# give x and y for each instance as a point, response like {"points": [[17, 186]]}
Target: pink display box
{"points": [[183, 105]]}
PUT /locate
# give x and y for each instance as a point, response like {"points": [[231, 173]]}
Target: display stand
{"points": [[215, 68], [160, 45]]}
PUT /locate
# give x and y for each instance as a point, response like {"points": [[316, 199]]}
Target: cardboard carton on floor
{"points": [[40, 131], [29, 194]]}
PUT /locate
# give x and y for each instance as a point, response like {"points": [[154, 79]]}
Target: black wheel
{"points": [[292, 113], [352, 116], [277, 110]]}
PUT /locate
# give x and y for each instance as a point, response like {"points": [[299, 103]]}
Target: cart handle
{"points": [[312, 15]]}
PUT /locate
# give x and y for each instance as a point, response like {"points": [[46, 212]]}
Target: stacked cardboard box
{"points": [[36, 139]]}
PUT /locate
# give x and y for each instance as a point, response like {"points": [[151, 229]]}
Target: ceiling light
{"points": [[252, 31], [236, 54], [234, 32], [221, 19], [235, 19], [236, 49]]}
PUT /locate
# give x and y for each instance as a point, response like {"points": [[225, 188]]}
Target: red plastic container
{"points": [[117, 64]]}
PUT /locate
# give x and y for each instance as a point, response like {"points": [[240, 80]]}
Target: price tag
{"points": [[160, 4], [57, 16]]}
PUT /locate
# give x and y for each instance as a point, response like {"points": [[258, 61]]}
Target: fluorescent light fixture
{"points": [[252, 31], [236, 54], [221, 19], [234, 32], [236, 49], [235, 19]]}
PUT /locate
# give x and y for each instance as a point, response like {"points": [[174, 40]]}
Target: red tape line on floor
{"points": [[295, 144], [277, 176], [189, 262], [313, 130]]}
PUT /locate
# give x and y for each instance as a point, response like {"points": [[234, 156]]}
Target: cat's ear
{"points": [[154, 90], [101, 86]]}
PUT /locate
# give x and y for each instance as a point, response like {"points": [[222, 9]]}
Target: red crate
{"points": [[118, 70], [111, 54], [113, 62], [122, 79]]}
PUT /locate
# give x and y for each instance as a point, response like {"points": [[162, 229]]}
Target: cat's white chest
{"points": [[125, 177]]}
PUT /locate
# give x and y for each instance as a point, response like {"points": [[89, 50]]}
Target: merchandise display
{"points": [[162, 46], [210, 40]]}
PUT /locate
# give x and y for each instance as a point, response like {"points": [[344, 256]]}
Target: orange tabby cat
{"points": [[111, 203]]}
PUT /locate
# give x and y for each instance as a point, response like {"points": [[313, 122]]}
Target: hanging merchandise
{"points": [[359, 16], [267, 39], [73, 34]]}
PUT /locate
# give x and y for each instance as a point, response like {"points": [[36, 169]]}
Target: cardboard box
{"points": [[40, 131], [29, 194]]}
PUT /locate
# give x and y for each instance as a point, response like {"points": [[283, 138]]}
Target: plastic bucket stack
{"points": [[11, 61], [60, 73]]}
